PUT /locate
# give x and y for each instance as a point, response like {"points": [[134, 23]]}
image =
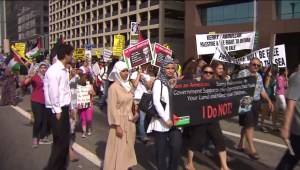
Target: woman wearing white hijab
{"points": [[120, 153]]}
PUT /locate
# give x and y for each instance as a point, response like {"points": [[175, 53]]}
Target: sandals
{"points": [[254, 156], [241, 149]]}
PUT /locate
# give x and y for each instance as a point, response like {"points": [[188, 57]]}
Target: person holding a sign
{"points": [[86, 109], [211, 130], [291, 127], [250, 120], [142, 84], [165, 134], [119, 152]]}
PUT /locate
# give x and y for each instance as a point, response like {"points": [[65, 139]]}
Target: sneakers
{"points": [[45, 141], [89, 133], [34, 143], [83, 135]]}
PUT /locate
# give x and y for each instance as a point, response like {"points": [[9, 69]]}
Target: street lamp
{"points": [[293, 4]]}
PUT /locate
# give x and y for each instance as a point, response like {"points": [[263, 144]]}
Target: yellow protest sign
{"points": [[79, 54], [97, 53], [19, 48], [119, 44], [212, 32]]}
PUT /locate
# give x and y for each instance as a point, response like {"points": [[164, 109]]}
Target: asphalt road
{"points": [[17, 153]]}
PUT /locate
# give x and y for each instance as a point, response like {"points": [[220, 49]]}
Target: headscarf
{"points": [[115, 75], [39, 73], [162, 76]]}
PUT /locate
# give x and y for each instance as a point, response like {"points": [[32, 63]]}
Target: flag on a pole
{"points": [[141, 38], [53, 53], [13, 61], [36, 50]]}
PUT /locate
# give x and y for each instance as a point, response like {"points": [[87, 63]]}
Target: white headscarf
{"points": [[115, 75]]}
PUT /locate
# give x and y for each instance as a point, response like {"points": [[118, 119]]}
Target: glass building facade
{"points": [[288, 9], [227, 13]]}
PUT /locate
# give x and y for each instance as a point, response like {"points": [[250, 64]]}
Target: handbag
{"points": [[146, 104]]}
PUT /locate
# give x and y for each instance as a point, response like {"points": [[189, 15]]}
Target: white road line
{"points": [[257, 140], [79, 149]]}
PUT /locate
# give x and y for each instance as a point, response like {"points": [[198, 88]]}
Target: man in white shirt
{"points": [[57, 101]]}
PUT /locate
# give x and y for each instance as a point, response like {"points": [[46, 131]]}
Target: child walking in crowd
{"points": [[86, 110]]}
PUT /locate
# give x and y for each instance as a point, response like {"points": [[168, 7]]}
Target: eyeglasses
{"points": [[208, 72], [256, 65]]}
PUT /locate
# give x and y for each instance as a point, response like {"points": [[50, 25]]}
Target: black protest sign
{"points": [[201, 102]]}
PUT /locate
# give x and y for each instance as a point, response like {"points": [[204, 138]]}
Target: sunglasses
{"points": [[256, 65], [208, 72]]}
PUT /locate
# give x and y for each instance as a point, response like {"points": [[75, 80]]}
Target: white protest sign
{"points": [[279, 57], [207, 43], [83, 97], [106, 55], [134, 33]]}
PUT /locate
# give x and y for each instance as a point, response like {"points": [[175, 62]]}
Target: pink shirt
{"points": [[38, 89], [281, 85]]}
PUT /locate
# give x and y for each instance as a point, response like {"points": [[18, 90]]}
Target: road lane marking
{"points": [[79, 149], [257, 140]]}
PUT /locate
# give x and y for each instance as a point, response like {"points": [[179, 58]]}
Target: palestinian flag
{"points": [[35, 51], [13, 61], [53, 53]]}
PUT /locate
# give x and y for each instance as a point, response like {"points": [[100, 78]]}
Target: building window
{"points": [[288, 9], [226, 13]]}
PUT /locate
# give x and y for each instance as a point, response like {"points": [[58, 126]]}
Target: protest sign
{"points": [[19, 48], [138, 54], [83, 97], [201, 102], [279, 57], [106, 55], [207, 43], [119, 44], [97, 53], [159, 54], [79, 54], [134, 33]]}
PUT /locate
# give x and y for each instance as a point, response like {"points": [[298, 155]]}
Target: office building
{"points": [[96, 22], [280, 17], [26, 21]]}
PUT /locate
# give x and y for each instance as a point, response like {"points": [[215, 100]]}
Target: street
{"points": [[17, 152]]}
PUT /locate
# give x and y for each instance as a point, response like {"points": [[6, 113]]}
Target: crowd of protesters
{"points": [[120, 90]]}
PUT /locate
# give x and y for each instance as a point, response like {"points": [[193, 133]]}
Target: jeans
{"points": [[163, 140], [105, 91], [40, 126], [142, 132], [288, 162]]}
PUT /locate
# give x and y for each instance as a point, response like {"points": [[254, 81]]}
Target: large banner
{"points": [[119, 44], [279, 57], [134, 33], [160, 53], [138, 54], [79, 54], [207, 43], [201, 102]]}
